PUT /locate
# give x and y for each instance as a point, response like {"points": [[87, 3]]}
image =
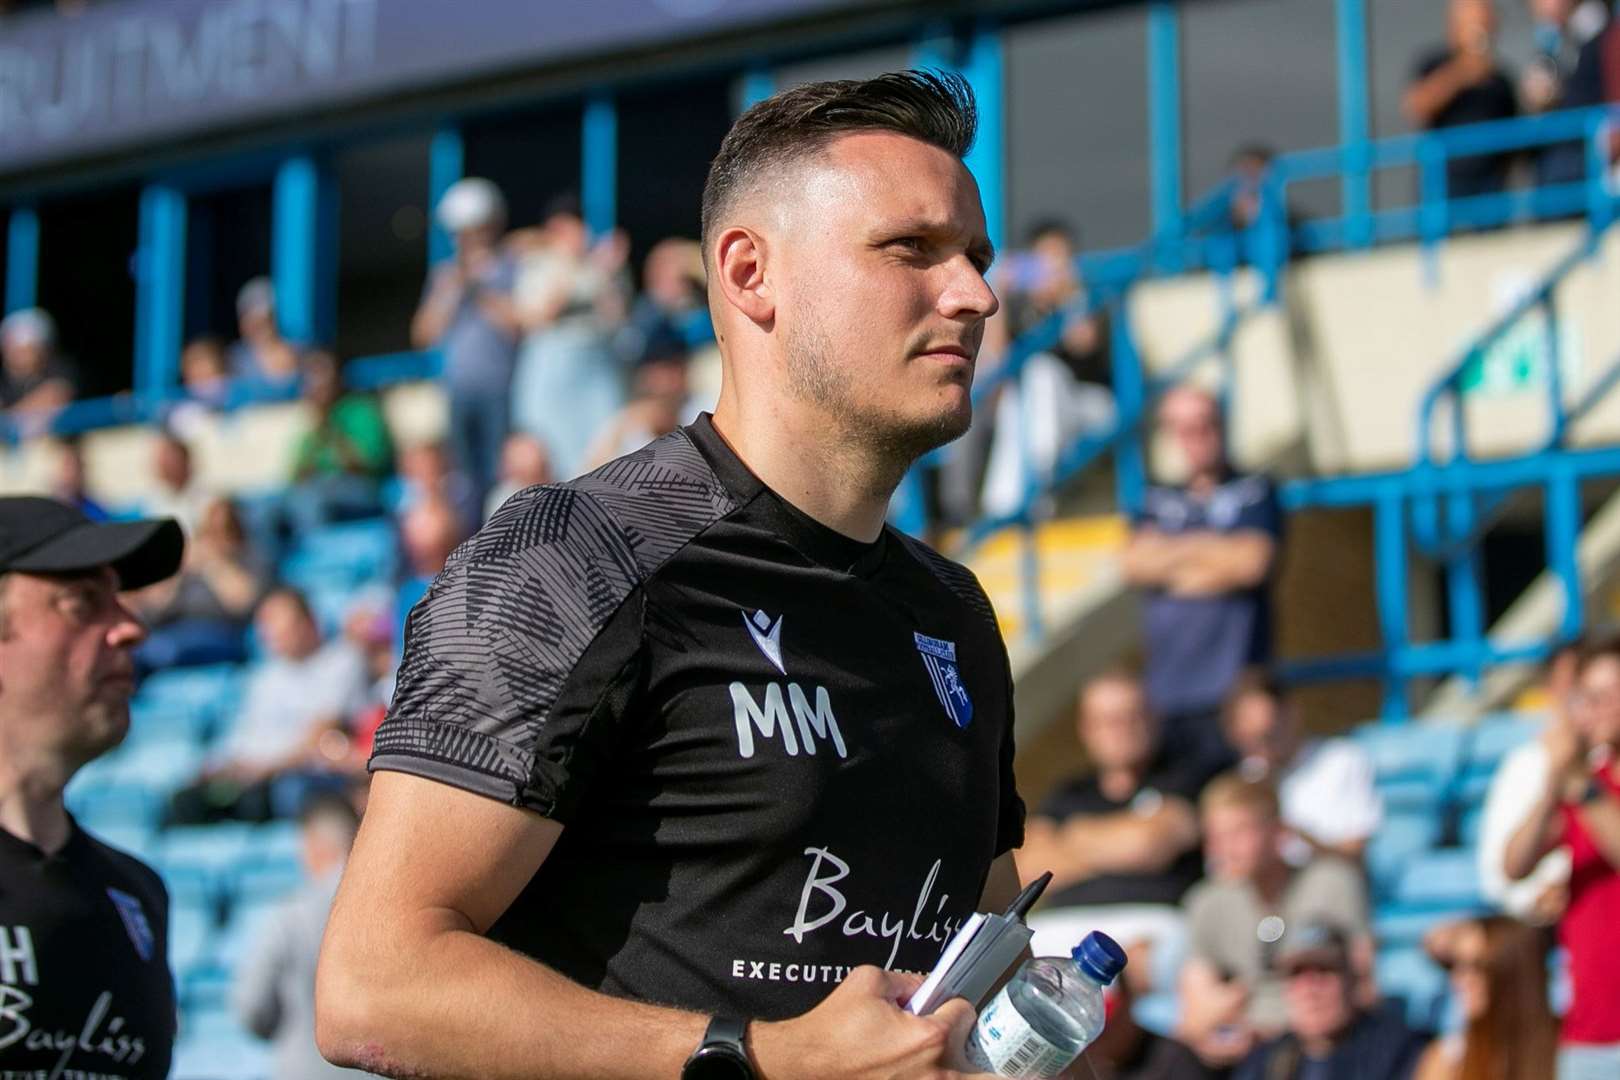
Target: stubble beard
{"points": [[888, 439]]}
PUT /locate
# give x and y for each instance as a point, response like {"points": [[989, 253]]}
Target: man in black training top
{"points": [[694, 744], [84, 969]]}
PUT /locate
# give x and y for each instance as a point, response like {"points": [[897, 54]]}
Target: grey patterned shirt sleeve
{"points": [[524, 651]]}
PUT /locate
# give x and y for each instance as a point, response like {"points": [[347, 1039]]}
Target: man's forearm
{"points": [[450, 1003], [1533, 838], [1120, 844], [1601, 816]]}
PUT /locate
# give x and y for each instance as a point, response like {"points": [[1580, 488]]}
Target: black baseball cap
{"points": [[1320, 945], [44, 536]]}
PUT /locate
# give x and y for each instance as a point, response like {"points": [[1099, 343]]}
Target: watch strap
{"points": [[726, 1031]]}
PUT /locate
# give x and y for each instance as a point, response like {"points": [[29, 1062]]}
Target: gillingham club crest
{"points": [[939, 657]]}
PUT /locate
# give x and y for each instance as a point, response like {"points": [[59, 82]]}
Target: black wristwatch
{"points": [[721, 1055]]}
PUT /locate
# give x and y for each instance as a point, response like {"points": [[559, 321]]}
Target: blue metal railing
{"points": [[1445, 506], [1207, 240]]}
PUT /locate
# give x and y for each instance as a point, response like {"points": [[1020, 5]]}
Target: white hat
{"points": [[27, 326], [257, 295], [470, 204]]}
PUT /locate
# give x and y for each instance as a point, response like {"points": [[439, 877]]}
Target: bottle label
{"points": [[1002, 1042]]}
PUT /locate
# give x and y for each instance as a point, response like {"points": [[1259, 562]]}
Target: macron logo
{"points": [[767, 636]]}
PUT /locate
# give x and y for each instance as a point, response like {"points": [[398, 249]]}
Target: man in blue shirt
{"points": [[1203, 552], [468, 314]]}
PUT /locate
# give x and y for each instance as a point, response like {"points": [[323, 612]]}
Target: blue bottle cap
{"points": [[1100, 957]]}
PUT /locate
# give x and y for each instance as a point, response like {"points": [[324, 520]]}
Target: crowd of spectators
{"points": [[1211, 834]]}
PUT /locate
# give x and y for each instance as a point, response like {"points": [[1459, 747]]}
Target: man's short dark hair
{"points": [[934, 107]]}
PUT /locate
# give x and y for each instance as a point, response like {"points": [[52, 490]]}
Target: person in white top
{"points": [[1515, 787], [1325, 786]]}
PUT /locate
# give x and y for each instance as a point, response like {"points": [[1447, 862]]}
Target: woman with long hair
{"points": [[1499, 976]]}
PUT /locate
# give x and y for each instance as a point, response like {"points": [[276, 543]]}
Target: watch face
{"points": [[717, 1063]]}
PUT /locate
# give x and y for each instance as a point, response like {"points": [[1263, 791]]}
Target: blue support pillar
{"points": [[1563, 534], [599, 163], [758, 83], [446, 165], [983, 68], [980, 59], [1131, 400], [304, 249], [1164, 114], [1465, 600], [22, 258], [1355, 131], [160, 292], [1389, 569]]}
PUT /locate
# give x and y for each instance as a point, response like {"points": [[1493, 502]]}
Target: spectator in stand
{"points": [[1325, 786], [1579, 809], [35, 382], [1328, 1036], [1515, 787], [524, 463], [1063, 391], [201, 616], [288, 736], [339, 464], [1499, 980], [1463, 83], [205, 373], [1204, 552], [427, 474], [1572, 37], [468, 314], [1127, 1051], [69, 483], [273, 994], [178, 493], [429, 532], [262, 362], [1232, 995], [570, 299], [648, 417], [1121, 840]]}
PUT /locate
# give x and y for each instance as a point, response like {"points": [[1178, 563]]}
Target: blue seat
{"points": [[1438, 880], [100, 802], [1397, 927], [1401, 837], [220, 1050], [191, 928], [1412, 763], [159, 765], [1409, 976], [273, 865]]}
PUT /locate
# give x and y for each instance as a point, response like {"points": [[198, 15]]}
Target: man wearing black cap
{"points": [[84, 977], [1328, 1037]]}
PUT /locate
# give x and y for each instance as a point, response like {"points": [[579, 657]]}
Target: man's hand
{"points": [[860, 1030]]}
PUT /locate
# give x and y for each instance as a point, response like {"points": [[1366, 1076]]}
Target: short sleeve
{"points": [[1428, 63], [1341, 802], [522, 660], [1261, 511]]}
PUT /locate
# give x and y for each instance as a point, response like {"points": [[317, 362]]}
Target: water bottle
{"points": [[1050, 1011]]}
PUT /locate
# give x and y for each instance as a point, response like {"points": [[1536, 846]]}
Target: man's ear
{"points": [[739, 263]]}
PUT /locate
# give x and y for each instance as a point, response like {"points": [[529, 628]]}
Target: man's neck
{"points": [[1205, 482], [803, 460], [31, 806], [1119, 783], [1271, 880]]}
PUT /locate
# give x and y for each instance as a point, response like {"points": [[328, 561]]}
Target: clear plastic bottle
{"points": [[1048, 1013]]}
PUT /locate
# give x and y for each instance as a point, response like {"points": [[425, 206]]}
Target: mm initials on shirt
{"points": [[772, 718]]}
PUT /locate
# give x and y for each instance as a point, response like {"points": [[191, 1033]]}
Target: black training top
{"points": [[85, 989], [779, 752]]}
